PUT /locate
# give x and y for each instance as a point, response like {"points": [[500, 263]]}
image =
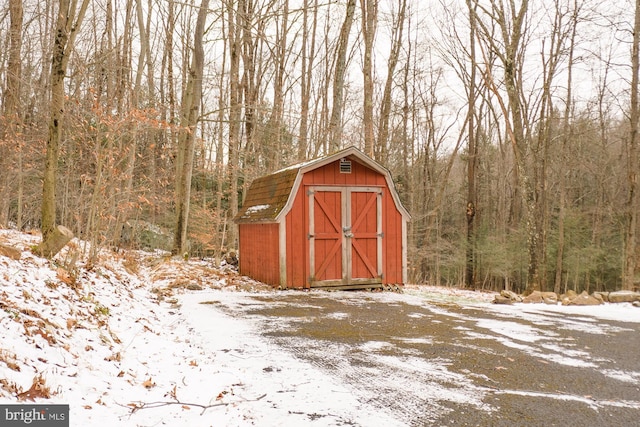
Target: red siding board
{"points": [[296, 244], [259, 254]]}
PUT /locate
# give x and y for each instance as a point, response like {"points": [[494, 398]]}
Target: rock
{"points": [[624, 296], [550, 298], [194, 287], [146, 235], [567, 297], [499, 299], [636, 303], [541, 297], [598, 296], [571, 294], [603, 295], [58, 239], [511, 295], [10, 252], [534, 298], [585, 299]]}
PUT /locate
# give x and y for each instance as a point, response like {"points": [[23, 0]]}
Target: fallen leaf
{"points": [[149, 383], [71, 323], [193, 363], [186, 407]]}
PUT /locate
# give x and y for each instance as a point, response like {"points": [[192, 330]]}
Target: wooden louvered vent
{"points": [[345, 166]]}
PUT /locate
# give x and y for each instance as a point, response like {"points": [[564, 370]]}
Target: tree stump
{"points": [[58, 239]]}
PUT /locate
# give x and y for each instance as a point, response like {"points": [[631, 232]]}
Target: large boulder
{"points": [[500, 299], [541, 297], [624, 296], [568, 296], [585, 299], [534, 298], [602, 295], [511, 296], [598, 296]]}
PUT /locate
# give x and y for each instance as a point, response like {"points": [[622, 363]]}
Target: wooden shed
{"points": [[334, 222]]}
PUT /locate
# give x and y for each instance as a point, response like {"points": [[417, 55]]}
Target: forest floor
{"points": [[142, 339]]}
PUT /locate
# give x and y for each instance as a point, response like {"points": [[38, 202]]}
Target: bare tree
{"points": [[369, 26], [566, 137], [9, 142], [630, 248], [69, 19], [234, 39], [189, 116], [307, 53], [335, 123], [510, 20], [392, 62], [472, 153]]}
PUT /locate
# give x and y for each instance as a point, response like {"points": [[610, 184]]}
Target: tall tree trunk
{"points": [[369, 24], [630, 255], [274, 127], [308, 55], [10, 144], [566, 137], [472, 153], [381, 146], [235, 110], [335, 122], [510, 21], [68, 24], [189, 116]]}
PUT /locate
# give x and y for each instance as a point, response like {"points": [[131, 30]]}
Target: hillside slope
{"points": [[109, 338]]}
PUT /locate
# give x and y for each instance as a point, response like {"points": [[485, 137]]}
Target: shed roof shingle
{"points": [[267, 196]]}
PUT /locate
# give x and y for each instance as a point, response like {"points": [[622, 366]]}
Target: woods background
{"points": [[510, 126]]}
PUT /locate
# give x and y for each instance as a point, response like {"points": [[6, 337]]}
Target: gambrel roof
{"points": [[269, 197]]}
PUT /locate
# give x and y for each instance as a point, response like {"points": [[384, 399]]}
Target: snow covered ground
{"points": [[127, 343]]}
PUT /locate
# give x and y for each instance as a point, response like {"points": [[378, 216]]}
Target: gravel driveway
{"points": [[449, 364]]}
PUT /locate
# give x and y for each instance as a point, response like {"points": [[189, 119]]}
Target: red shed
{"points": [[334, 222]]}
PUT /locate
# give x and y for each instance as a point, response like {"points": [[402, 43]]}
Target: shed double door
{"points": [[345, 236]]}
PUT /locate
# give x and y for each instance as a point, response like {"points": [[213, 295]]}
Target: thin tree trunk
{"points": [[385, 105], [235, 105], [67, 26], [369, 24], [630, 260], [472, 152], [335, 122], [308, 54], [566, 137], [9, 138], [186, 141]]}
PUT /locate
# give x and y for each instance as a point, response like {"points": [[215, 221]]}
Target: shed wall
{"points": [[297, 222], [259, 252]]}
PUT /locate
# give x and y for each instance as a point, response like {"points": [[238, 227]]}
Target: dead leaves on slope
{"points": [[37, 390]]}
